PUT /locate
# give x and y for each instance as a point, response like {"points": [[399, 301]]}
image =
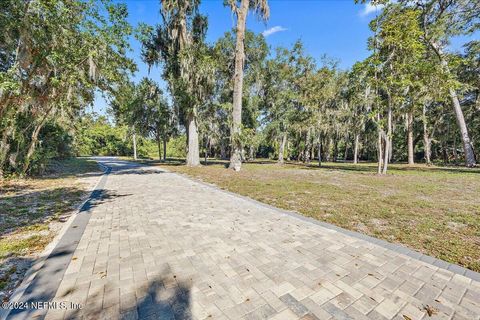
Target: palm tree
{"points": [[240, 9]]}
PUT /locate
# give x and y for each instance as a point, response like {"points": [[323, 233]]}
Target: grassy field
{"points": [[32, 211], [433, 210]]}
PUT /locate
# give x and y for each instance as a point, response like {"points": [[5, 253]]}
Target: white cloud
{"points": [[273, 30], [370, 8]]}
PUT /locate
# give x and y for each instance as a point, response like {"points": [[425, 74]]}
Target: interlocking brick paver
{"points": [[161, 246]]}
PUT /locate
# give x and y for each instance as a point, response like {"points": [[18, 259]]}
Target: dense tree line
{"points": [[54, 55], [410, 100]]}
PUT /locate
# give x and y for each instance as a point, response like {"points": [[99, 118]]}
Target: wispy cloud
{"points": [[370, 8], [273, 30]]}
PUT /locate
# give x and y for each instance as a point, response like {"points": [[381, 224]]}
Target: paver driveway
{"points": [[161, 246]]}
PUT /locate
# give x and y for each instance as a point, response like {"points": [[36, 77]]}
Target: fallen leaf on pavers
{"points": [[74, 258], [406, 317], [430, 310]]}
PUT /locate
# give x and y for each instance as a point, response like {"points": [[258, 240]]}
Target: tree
{"points": [[240, 8], [54, 55], [178, 43], [396, 44], [440, 20], [256, 51], [151, 113], [123, 107]]}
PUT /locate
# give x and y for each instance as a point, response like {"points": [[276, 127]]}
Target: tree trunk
{"points": [[4, 148], [235, 159], [335, 148], [134, 145], [410, 137], [319, 151], [193, 153], [355, 148], [426, 139], [388, 140], [159, 148], [164, 148], [251, 153], [467, 145], [31, 148], [206, 151], [281, 151], [345, 156], [307, 147], [379, 146], [328, 143]]}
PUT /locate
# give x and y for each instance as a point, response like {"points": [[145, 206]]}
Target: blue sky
{"points": [[337, 28]]}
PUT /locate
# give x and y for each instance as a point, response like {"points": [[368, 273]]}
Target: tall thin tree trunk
{"points": [[379, 146], [426, 138], [467, 145], [193, 154], [319, 151], [329, 142], [134, 136], [307, 147], [235, 159], [335, 148], [410, 137], [388, 140], [164, 148], [206, 150], [281, 151], [355, 148], [345, 156], [159, 148]]}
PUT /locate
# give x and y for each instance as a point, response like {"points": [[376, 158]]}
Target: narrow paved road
{"points": [[161, 246]]}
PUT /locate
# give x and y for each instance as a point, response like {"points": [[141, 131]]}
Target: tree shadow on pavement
{"points": [[163, 297]]}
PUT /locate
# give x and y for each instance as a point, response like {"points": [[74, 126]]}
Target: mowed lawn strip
{"points": [[433, 210]]}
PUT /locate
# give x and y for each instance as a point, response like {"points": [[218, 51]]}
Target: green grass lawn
{"points": [[434, 210]]}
